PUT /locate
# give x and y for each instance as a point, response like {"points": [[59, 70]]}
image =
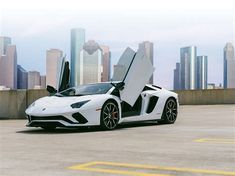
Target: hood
{"points": [[54, 101]]}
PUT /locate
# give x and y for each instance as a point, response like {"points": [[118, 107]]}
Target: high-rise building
{"points": [[91, 63], [77, 42], [148, 48], [229, 66], [8, 67], [43, 82], [177, 77], [188, 67], [34, 79], [106, 63], [53, 60], [22, 78], [3, 60], [202, 72], [4, 42]]}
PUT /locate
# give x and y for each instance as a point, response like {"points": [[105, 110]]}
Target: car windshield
{"points": [[89, 89]]}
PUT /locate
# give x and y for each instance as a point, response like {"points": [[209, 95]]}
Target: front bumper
{"points": [[57, 121]]}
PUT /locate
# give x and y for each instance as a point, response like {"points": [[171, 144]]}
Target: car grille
{"points": [[79, 118]]}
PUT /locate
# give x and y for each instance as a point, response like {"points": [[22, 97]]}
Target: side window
{"points": [[147, 88]]}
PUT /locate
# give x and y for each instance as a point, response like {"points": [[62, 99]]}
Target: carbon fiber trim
{"points": [[77, 116]]}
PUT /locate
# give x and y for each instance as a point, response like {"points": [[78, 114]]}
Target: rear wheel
{"points": [[109, 115], [170, 111]]}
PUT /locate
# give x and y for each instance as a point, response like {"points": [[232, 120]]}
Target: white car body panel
{"points": [[156, 114], [50, 106], [59, 72], [91, 110], [123, 64], [135, 79]]}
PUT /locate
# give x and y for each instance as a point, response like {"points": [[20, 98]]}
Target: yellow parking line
{"points": [[216, 140], [87, 167], [113, 171]]}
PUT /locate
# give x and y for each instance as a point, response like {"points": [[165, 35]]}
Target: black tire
{"points": [[109, 115], [170, 112]]}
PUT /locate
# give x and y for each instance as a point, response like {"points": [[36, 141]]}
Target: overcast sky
{"points": [[37, 26]]}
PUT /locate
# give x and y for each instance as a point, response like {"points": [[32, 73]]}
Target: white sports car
{"points": [[126, 99]]}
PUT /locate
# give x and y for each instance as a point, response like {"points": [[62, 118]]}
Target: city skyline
{"points": [[206, 28], [190, 73]]}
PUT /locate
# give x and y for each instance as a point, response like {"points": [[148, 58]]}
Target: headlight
{"points": [[79, 104]]}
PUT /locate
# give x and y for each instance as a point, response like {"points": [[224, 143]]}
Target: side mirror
{"points": [[51, 90], [119, 86]]}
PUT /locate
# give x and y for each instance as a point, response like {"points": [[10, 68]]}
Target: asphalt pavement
{"points": [[201, 142]]}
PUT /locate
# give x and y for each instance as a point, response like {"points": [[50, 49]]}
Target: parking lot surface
{"points": [[201, 142]]}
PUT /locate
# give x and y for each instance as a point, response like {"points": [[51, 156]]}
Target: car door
{"points": [[138, 70], [63, 73], [124, 62]]}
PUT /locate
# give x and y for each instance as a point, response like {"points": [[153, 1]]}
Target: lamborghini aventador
{"points": [[127, 98]]}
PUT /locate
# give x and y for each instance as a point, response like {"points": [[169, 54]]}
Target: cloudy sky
{"points": [[36, 26]]}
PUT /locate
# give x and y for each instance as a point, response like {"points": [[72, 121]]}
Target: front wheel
{"points": [[170, 111], [109, 115]]}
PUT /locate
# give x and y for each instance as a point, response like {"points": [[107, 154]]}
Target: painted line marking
{"points": [[216, 140], [88, 167]]}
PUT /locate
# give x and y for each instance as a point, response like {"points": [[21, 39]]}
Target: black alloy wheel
{"points": [[109, 115]]}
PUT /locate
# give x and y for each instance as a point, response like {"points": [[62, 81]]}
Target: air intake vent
{"points": [[152, 103], [80, 118]]}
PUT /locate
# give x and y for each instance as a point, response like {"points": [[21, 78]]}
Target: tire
{"points": [[170, 112], [109, 115]]}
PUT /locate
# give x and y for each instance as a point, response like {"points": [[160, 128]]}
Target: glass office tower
{"points": [[202, 72], [188, 67], [77, 42]]}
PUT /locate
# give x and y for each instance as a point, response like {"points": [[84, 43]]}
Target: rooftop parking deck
{"points": [[201, 142]]}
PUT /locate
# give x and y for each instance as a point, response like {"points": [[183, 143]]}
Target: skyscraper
{"points": [[91, 63], [229, 66], [8, 67], [3, 59], [53, 60], [202, 72], [77, 42], [22, 78], [148, 48], [188, 67], [177, 77], [34, 79], [4, 42], [43, 82], [106, 63]]}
